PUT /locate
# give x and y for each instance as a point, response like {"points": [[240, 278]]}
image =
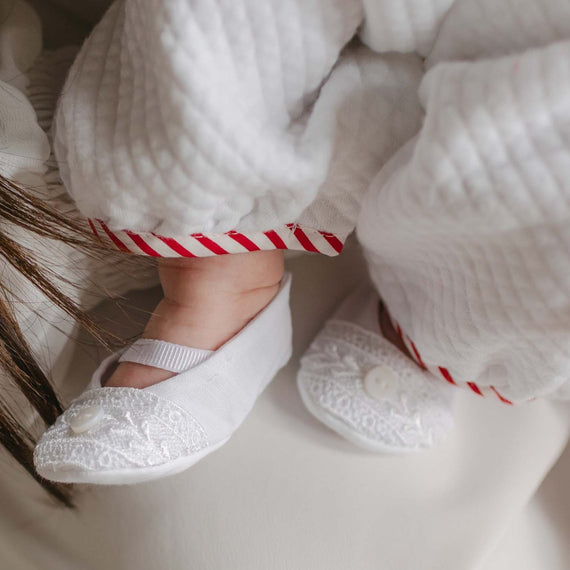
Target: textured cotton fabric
{"points": [[192, 117], [206, 116], [467, 229]]}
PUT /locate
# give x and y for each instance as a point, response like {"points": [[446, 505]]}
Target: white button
{"points": [[86, 419], [380, 382]]}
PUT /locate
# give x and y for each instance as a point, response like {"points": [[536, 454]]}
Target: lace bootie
{"points": [[360, 385]]}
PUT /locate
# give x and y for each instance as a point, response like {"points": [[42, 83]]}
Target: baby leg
{"points": [[206, 302]]}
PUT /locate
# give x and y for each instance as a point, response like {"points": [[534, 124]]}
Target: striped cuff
{"points": [[291, 236], [444, 373]]}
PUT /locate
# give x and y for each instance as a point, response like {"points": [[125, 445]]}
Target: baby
{"points": [[213, 135]]}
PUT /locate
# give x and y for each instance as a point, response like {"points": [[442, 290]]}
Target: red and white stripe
{"points": [[291, 236], [444, 373]]}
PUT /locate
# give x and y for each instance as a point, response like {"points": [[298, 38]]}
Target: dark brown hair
{"points": [[22, 209]]}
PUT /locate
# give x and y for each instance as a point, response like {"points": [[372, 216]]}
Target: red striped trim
{"points": [[475, 388], [399, 331], [445, 372], [502, 398], [93, 228], [140, 242], [307, 244], [446, 375], [114, 238], [334, 241], [243, 240], [290, 236], [175, 246], [278, 242], [210, 244], [417, 354], [274, 238]]}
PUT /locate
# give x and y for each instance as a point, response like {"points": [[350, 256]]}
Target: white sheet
{"points": [[285, 493]]}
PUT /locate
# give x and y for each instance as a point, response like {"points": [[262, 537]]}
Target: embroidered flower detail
{"points": [[137, 429]]}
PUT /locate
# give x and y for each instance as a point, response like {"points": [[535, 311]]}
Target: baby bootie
{"points": [[125, 435], [364, 388]]}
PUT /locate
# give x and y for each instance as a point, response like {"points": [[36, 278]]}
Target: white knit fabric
{"points": [[190, 116], [468, 229], [404, 25], [183, 117], [24, 147]]}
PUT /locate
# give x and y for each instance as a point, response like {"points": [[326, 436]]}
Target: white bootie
{"points": [[125, 435], [360, 385]]}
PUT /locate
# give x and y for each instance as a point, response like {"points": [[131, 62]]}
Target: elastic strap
{"points": [[164, 355]]}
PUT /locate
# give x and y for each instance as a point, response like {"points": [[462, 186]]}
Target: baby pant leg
{"points": [[202, 128], [467, 229]]}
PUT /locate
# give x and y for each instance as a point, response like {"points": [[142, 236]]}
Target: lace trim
{"points": [[139, 429], [416, 411]]}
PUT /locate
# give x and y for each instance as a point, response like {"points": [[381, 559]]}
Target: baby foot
{"points": [[131, 428], [206, 302]]}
